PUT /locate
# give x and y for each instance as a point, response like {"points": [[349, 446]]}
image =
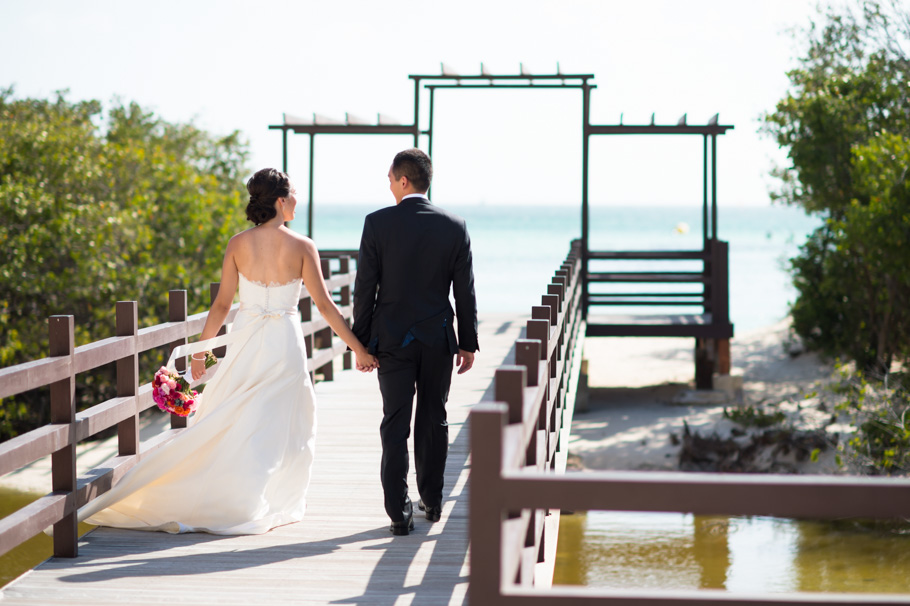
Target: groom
{"points": [[410, 255]]}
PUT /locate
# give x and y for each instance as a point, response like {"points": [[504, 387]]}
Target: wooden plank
{"points": [[658, 255], [669, 325], [161, 335], [32, 375], [32, 519], [105, 351], [647, 276], [22, 450]]}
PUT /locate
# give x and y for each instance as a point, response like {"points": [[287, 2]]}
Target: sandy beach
{"points": [[641, 395]]}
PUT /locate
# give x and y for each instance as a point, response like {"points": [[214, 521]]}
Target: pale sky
{"points": [[240, 65]]}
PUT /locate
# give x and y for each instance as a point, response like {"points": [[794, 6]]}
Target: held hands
{"points": [[464, 361], [366, 362]]}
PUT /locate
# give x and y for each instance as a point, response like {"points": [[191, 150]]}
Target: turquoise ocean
{"points": [[517, 249]]}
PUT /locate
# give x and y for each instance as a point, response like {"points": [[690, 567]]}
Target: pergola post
{"points": [[714, 187], [585, 223], [284, 150], [704, 209], [309, 211]]}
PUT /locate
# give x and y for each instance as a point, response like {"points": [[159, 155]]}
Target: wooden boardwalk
{"points": [[341, 553]]}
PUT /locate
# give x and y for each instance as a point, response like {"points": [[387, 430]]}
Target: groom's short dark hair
{"points": [[416, 166]]}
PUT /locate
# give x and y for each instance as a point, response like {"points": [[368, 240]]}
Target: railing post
{"points": [[543, 313], [306, 315], [558, 288], [214, 287], [551, 301], [527, 354], [323, 338], [177, 313], [344, 269], [128, 377], [61, 331], [509, 387], [485, 515]]}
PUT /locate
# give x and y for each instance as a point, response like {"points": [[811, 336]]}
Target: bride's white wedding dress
{"points": [[243, 464]]}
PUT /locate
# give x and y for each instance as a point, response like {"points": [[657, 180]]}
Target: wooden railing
{"points": [[519, 543], [67, 427], [517, 489]]}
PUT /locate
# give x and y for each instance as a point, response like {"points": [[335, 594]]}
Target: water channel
{"points": [[666, 551], [34, 551]]}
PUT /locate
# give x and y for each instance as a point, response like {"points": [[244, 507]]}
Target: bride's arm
{"points": [[221, 306], [315, 285]]}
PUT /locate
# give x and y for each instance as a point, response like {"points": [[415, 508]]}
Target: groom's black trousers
{"points": [[429, 371]]}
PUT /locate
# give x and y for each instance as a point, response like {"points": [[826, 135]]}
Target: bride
{"points": [[243, 464]]}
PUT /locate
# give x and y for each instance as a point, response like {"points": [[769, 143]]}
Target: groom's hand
{"points": [[465, 361], [366, 362]]}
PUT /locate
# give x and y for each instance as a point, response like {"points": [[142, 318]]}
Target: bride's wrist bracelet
{"points": [[204, 354]]}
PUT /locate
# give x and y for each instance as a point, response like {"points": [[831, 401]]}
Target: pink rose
{"points": [[165, 388]]}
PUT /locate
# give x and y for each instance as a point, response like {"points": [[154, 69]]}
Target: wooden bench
{"points": [[711, 329]]}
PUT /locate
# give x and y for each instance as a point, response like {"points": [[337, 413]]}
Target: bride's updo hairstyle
{"points": [[265, 187]]}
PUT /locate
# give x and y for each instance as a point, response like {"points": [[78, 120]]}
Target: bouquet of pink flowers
{"points": [[172, 392]]}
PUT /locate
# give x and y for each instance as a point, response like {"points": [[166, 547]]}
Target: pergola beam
{"points": [[347, 129], [502, 77], [658, 129], [493, 85]]}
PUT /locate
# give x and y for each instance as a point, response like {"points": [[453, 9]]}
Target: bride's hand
{"points": [[197, 368], [366, 362]]}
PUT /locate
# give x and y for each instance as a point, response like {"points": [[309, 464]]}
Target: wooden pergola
{"points": [[711, 328]]}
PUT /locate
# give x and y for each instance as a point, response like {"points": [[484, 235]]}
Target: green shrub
{"points": [[97, 208], [846, 126], [754, 417], [880, 444]]}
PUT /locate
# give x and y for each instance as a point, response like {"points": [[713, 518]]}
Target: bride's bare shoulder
{"points": [[301, 241], [241, 237]]}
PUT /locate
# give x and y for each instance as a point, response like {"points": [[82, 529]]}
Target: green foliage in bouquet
{"points": [[98, 207], [846, 126]]}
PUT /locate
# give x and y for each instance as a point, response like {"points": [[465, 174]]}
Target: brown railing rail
{"points": [[514, 490], [67, 427]]}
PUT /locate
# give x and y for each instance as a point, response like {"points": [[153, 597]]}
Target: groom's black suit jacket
{"points": [[410, 255]]}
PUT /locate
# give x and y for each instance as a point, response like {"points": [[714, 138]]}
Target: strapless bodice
{"points": [[269, 299]]}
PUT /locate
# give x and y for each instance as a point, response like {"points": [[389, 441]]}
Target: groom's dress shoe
{"points": [[404, 527], [432, 513], [407, 525]]}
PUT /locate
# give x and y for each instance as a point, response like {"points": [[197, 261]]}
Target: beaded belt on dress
{"points": [[230, 338], [259, 310]]}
